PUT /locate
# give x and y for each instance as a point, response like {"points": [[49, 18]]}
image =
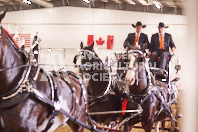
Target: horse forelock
{"points": [[130, 75], [132, 61]]}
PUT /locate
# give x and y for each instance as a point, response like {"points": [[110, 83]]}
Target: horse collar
{"points": [[16, 95]]}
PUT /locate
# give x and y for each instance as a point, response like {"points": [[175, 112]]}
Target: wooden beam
{"points": [[14, 6], [42, 3]]}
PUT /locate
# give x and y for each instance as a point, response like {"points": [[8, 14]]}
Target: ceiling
{"points": [[165, 6]]}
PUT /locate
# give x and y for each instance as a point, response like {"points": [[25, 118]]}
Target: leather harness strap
{"points": [[54, 98]]}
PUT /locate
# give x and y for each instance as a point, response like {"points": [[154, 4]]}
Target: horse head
{"points": [[10, 57], [136, 69], [89, 58]]}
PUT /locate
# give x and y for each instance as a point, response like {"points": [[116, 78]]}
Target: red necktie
{"points": [[161, 42], [136, 39]]}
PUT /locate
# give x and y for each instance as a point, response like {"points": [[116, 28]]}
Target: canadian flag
{"points": [[25, 37], [102, 42]]}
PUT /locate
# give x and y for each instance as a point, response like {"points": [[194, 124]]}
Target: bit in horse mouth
{"points": [[132, 81]]}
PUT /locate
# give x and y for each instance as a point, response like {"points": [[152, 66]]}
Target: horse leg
{"points": [[74, 127], [148, 125], [129, 125], [81, 116], [157, 126]]}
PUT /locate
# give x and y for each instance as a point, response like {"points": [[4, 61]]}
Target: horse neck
{"points": [[9, 58], [99, 81], [142, 83]]}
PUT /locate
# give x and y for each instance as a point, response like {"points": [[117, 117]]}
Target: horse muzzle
{"points": [[130, 77]]}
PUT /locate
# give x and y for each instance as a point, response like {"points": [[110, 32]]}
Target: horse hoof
{"points": [[176, 129], [180, 116]]}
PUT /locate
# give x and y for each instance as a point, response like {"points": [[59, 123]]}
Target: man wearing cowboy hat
{"points": [[138, 39], [159, 46]]}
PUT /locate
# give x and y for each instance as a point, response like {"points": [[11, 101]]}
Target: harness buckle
{"points": [[57, 105]]}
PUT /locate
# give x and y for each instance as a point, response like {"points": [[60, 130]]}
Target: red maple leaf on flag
{"points": [[100, 41]]}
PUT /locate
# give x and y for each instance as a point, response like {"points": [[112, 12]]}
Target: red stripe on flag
{"points": [[90, 39], [110, 40], [27, 39]]}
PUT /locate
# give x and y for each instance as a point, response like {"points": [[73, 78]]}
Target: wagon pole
{"points": [[115, 112]]}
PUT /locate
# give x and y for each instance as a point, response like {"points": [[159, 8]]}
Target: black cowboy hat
{"points": [[138, 24], [161, 24]]}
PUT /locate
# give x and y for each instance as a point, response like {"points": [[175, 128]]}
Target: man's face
{"points": [[138, 29], [161, 30]]}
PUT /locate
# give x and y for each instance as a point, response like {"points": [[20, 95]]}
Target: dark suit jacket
{"points": [[155, 44], [131, 39]]}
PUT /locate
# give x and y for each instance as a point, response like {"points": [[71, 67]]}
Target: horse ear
{"points": [[75, 59], [81, 45], [91, 46], [2, 15]]}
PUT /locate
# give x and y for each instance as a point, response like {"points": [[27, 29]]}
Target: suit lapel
{"points": [[165, 38], [133, 38], [158, 38], [140, 37]]}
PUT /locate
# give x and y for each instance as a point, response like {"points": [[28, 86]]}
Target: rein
{"points": [[24, 88], [149, 87], [21, 66], [108, 89]]}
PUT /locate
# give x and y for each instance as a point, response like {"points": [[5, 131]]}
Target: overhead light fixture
{"points": [[27, 2], [116, 1], [86, 1], [104, 0], [143, 2], [132, 3], [43, 3], [158, 6], [49, 49]]}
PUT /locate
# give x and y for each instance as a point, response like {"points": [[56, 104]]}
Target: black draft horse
{"points": [[98, 85], [153, 99], [23, 112]]}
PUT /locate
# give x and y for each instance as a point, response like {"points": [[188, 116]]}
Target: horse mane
{"points": [[14, 45]]}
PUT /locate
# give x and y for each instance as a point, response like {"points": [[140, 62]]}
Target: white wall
{"points": [[190, 70], [66, 27]]}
